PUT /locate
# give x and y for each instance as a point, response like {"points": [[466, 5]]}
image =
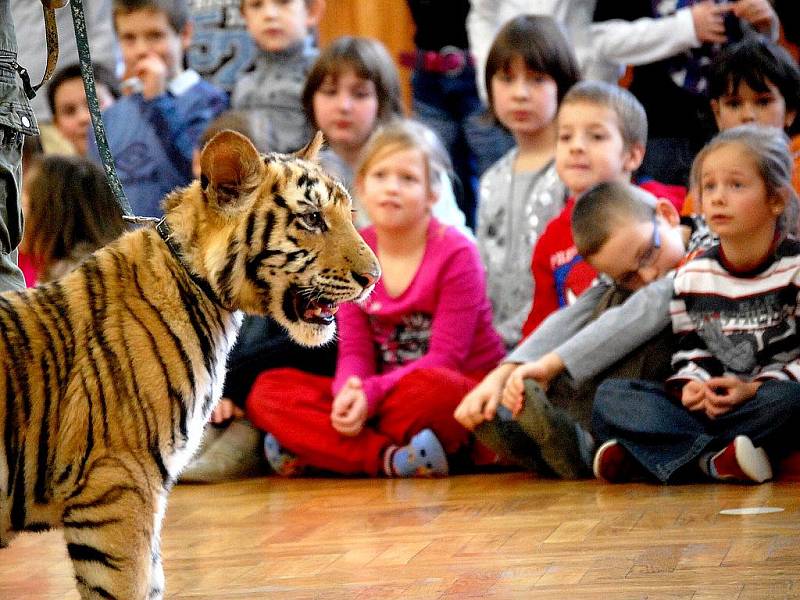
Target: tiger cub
{"points": [[108, 375]]}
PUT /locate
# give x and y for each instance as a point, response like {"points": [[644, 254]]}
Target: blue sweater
{"points": [[152, 140]]}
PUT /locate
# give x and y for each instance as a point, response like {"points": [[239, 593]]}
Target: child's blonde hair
{"points": [[407, 134], [769, 148]]}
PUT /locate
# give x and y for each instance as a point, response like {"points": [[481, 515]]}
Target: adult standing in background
{"points": [[670, 79], [16, 121], [27, 15]]}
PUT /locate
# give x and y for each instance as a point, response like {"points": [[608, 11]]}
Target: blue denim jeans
{"points": [[450, 105], [668, 440]]}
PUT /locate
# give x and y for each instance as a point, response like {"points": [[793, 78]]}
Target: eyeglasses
{"points": [[647, 258]]}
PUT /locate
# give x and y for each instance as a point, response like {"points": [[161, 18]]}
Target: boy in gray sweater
{"points": [[613, 329], [281, 30]]}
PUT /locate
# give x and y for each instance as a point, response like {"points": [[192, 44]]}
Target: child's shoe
{"points": [[741, 461], [613, 463], [282, 462], [234, 453], [423, 456]]}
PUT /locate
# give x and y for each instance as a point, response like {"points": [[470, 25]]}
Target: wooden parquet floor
{"points": [[485, 536]]}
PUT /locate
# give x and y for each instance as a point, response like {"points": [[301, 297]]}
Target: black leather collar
{"points": [[166, 234]]}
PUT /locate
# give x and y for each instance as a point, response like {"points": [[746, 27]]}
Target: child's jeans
{"points": [[668, 440]]}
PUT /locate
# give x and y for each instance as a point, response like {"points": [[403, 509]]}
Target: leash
{"points": [[79, 23], [165, 233]]}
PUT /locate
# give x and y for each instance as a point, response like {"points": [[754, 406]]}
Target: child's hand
{"points": [[723, 394], [693, 395], [152, 72], [542, 371], [514, 391], [224, 411], [349, 410], [481, 403], [709, 21], [757, 12]]}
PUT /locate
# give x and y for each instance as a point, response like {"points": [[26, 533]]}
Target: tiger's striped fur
{"points": [[109, 374]]}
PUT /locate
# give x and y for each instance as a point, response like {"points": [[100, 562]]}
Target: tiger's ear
{"points": [[311, 150], [229, 167]]}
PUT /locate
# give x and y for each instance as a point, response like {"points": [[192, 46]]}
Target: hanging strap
{"points": [[51, 35]]}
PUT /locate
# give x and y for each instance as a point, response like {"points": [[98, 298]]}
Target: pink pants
{"points": [[295, 407]]}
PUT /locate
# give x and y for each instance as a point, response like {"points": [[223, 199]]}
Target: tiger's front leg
{"points": [[109, 529], [157, 581]]}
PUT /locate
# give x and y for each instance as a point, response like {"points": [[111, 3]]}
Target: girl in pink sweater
{"points": [[408, 354]]}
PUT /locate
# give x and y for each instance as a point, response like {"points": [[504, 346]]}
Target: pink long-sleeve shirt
{"points": [[442, 319]]}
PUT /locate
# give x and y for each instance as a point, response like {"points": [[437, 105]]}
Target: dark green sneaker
{"points": [[563, 443]]}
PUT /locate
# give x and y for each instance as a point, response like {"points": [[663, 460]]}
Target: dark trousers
{"points": [[668, 440]]}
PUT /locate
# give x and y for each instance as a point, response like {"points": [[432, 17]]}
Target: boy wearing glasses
{"points": [[633, 239]]}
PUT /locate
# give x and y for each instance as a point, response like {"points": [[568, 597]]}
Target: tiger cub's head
{"points": [[273, 235]]}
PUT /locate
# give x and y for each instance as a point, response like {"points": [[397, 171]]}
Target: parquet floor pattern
{"points": [[486, 536]]}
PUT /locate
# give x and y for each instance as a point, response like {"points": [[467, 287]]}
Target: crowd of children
{"points": [[589, 307]]}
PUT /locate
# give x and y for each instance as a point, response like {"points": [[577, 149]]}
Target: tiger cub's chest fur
{"points": [[124, 355]]}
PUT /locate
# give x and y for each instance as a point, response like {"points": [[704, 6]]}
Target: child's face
{"points": [[278, 24], [745, 105], [346, 109], [525, 101], [734, 197], [590, 149], [638, 252], [71, 111], [147, 33], [395, 189]]}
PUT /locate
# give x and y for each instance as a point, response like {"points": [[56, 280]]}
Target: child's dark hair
{"points": [[369, 60], [757, 62], [770, 150], [599, 210], [70, 205], [541, 43], [102, 75], [630, 112], [177, 11]]}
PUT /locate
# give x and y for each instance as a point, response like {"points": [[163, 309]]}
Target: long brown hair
{"points": [[70, 208], [369, 60]]}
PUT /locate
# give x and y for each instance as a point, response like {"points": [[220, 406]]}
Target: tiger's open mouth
{"points": [[315, 310]]}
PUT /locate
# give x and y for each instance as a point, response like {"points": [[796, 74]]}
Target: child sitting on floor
{"points": [[529, 69], [633, 239], [733, 403], [408, 354], [602, 130]]}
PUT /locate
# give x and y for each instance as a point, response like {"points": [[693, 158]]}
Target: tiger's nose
{"points": [[365, 279]]}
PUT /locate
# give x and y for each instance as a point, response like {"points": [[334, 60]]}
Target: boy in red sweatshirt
{"points": [[602, 132]]}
